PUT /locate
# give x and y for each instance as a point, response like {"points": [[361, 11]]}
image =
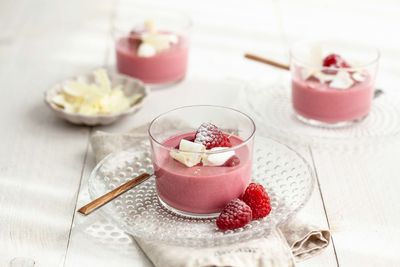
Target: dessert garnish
{"points": [[211, 136], [189, 153], [335, 61], [208, 138], [94, 98], [254, 204], [257, 198], [232, 162], [358, 76], [335, 75], [153, 41], [217, 159], [236, 214], [342, 80]]}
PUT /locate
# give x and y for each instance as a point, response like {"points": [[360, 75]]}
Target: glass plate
{"points": [[284, 173], [272, 110]]}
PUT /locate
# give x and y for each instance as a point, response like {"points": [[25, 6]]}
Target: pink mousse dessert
{"points": [[203, 171], [334, 93], [153, 56]]}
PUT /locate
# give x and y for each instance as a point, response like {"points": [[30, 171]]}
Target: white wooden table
{"points": [[44, 162]]}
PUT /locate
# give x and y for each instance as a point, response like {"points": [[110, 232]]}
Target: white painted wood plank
{"points": [[358, 189], [362, 201], [314, 213], [41, 157]]}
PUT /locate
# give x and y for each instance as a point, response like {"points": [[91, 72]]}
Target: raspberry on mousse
{"points": [[208, 138], [211, 136]]}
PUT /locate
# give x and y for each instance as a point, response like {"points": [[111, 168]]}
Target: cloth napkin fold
{"points": [[291, 242]]}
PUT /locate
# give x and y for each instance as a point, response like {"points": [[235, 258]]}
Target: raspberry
{"points": [[236, 214], [336, 61], [210, 136], [232, 162], [257, 198]]}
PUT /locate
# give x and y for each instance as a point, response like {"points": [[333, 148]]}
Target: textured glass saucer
{"points": [[286, 175], [272, 110]]}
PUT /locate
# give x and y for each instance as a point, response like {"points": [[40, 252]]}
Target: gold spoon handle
{"points": [[104, 199]]}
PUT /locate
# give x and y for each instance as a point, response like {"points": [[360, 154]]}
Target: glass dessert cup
{"points": [[332, 94], [141, 48], [201, 190]]}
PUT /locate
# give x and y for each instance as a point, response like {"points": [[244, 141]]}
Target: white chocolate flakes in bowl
{"points": [[98, 98]]}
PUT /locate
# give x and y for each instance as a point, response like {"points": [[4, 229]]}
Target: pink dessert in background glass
{"points": [[198, 179], [153, 46], [164, 67], [332, 86], [201, 189]]}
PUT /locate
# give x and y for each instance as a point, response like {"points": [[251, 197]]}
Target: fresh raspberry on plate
{"points": [[257, 198], [211, 136], [236, 214], [336, 61]]}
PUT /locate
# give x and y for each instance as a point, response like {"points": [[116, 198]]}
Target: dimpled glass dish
{"points": [[272, 110], [283, 172]]}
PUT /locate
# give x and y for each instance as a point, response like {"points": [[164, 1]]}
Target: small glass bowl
{"points": [[332, 96], [165, 67], [200, 191]]}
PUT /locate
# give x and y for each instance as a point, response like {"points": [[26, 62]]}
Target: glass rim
{"points": [[303, 63], [245, 142], [186, 26]]}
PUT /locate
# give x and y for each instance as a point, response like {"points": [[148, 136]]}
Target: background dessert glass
{"points": [[165, 67], [319, 96], [200, 191]]}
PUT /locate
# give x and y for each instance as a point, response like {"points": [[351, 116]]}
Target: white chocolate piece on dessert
{"points": [[358, 76], [158, 40], [186, 158], [322, 77], [306, 73], [150, 26], [188, 146], [153, 41], [189, 153], [342, 80], [316, 55], [217, 159], [146, 50], [173, 39]]}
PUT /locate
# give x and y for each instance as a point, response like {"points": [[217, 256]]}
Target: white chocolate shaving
{"points": [[322, 77], [342, 80], [358, 76], [316, 55], [189, 153], [217, 159], [95, 98], [146, 50], [154, 41]]}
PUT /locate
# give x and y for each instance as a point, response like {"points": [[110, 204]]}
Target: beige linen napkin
{"points": [[293, 241]]}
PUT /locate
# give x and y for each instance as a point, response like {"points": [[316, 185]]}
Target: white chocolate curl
{"points": [[342, 80], [217, 159], [153, 41], [189, 153]]}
